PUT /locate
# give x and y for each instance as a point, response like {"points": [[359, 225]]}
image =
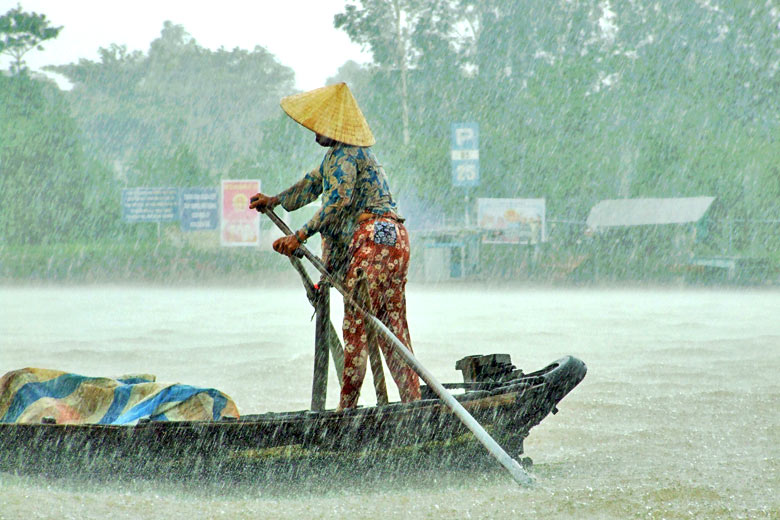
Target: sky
{"points": [[295, 31]]}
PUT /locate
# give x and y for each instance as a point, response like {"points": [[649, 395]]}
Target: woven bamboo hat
{"points": [[330, 111]]}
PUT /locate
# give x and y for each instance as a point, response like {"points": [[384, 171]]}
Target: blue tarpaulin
{"points": [[31, 394]]}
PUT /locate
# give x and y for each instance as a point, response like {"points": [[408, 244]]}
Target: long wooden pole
{"points": [[511, 465], [331, 336], [319, 386]]}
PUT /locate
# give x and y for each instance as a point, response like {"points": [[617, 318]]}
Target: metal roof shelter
{"points": [[647, 212]]}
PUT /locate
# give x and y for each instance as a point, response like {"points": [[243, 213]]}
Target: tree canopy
{"points": [[577, 101], [20, 32], [180, 113], [580, 101]]}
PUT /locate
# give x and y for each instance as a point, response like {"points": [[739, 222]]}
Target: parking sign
{"points": [[465, 154]]}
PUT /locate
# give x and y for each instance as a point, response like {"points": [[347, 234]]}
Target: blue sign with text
{"points": [[150, 204], [465, 154], [199, 209]]}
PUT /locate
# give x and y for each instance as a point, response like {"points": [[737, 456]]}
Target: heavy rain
{"points": [[584, 183]]}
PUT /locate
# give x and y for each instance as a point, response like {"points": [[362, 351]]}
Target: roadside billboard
{"points": [[199, 209], [150, 204], [511, 221], [240, 226]]}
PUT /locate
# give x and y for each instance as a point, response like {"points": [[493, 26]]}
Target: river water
{"points": [[677, 417]]}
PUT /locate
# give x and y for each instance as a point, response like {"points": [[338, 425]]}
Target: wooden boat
{"points": [[506, 401], [502, 399]]}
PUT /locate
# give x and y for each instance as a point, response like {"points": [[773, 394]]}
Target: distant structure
{"points": [[647, 212], [638, 238]]}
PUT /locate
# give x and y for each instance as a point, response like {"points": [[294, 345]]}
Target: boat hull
{"points": [[295, 440]]}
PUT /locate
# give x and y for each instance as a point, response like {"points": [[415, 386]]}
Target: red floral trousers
{"points": [[380, 253]]}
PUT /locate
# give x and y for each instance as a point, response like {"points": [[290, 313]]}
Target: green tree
{"points": [[20, 32], [178, 96], [49, 191], [581, 101], [398, 33]]}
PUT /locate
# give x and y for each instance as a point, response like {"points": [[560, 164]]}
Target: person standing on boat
{"points": [[363, 234]]}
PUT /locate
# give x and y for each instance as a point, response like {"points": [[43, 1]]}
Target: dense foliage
{"points": [[179, 115], [581, 101], [49, 189], [576, 101], [21, 32]]}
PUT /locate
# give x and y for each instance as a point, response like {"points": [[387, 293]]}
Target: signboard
{"points": [[240, 225], [511, 221], [199, 209], [465, 154], [150, 204]]}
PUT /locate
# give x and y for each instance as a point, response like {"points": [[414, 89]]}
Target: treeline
{"points": [[581, 101], [50, 189], [576, 101]]}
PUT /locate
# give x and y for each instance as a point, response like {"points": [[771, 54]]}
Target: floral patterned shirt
{"points": [[351, 181]]}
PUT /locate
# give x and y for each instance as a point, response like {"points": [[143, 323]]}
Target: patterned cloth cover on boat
{"points": [[31, 394]]}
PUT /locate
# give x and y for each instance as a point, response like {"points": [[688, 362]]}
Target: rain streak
{"points": [[590, 190]]}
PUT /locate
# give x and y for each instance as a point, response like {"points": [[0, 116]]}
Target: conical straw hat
{"points": [[330, 111]]}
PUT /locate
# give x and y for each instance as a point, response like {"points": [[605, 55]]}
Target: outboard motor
{"points": [[493, 368]]}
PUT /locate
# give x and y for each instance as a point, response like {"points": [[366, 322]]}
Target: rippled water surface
{"points": [[677, 417]]}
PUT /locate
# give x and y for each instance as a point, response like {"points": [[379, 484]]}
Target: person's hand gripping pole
{"points": [[286, 245]]}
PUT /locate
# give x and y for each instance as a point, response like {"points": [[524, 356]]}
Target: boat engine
{"points": [[493, 368]]}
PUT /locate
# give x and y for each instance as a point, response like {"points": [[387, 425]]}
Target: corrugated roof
{"points": [[644, 212]]}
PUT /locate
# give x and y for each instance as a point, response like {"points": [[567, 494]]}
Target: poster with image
{"points": [[239, 225], [511, 221]]}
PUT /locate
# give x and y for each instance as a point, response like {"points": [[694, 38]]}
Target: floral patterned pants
{"points": [[380, 253]]}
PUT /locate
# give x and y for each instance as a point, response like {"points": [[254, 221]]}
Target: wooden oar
{"points": [[511, 465], [331, 336]]}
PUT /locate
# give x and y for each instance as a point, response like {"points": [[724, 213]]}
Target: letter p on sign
{"points": [[463, 136]]}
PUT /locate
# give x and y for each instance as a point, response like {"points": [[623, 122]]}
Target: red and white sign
{"points": [[240, 226]]}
